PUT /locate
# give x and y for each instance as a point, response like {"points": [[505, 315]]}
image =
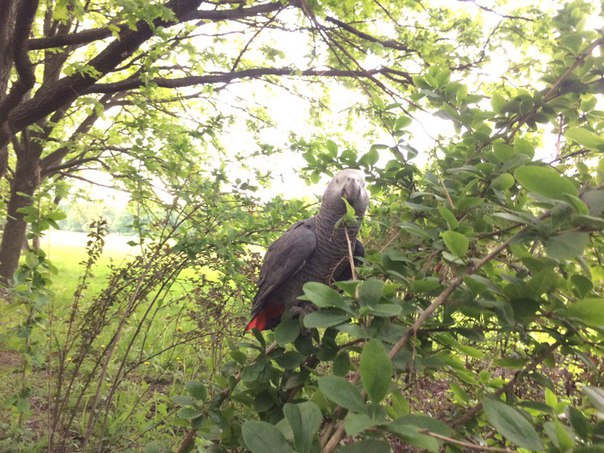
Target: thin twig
{"points": [[469, 445], [442, 183], [353, 271]]}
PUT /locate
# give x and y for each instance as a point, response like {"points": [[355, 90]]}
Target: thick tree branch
{"points": [[227, 77], [26, 80], [51, 98], [69, 39], [95, 34]]}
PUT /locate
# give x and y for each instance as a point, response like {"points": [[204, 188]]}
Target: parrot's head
{"points": [[348, 184]]}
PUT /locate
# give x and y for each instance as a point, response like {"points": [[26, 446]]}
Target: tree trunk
{"points": [[23, 187], [7, 20]]}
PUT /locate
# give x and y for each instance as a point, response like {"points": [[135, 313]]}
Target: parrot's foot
{"points": [[302, 308]]}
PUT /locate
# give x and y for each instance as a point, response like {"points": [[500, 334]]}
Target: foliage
{"points": [[490, 281], [475, 321]]}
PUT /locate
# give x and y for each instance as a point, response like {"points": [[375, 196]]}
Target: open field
{"points": [[72, 244], [67, 250]]}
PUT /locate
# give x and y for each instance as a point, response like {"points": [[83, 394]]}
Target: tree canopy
{"points": [[476, 318]]}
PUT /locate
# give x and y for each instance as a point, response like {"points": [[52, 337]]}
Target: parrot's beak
{"points": [[354, 190]]}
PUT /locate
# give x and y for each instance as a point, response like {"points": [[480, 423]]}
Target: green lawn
{"points": [[67, 251]]}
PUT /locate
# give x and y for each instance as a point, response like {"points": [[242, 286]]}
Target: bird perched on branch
{"points": [[314, 249]]}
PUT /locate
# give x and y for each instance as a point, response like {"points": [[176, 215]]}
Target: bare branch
{"points": [[71, 39], [490, 10], [389, 43]]}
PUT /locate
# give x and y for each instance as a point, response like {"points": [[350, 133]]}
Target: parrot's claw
{"points": [[302, 309]]}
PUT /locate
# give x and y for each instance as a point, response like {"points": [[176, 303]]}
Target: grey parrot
{"points": [[313, 249]]}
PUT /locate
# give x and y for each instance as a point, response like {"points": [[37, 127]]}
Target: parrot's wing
{"points": [[283, 259]]}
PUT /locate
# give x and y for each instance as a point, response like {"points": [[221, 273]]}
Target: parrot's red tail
{"points": [[266, 318]]}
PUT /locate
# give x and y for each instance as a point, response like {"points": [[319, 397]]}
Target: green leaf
{"points": [[323, 296], [324, 318], [402, 122], [408, 428], [511, 424], [572, 41], [370, 158], [355, 423], [366, 446], [525, 147], [56, 215], [596, 397], [287, 331], [341, 392], [370, 292], [304, 420], [503, 151], [414, 229], [545, 181], [349, 287], [410, 435], [511, 362], [595, 201], [497, 102], [290, 359], [332, 148], [550, 399], [425, 422], [154, 447], [385, 310], [460, 394], [457, 243], [503, 182], [566, 246], [449, 217], [576, 203], [184, 400], [341, 364], [400, 404], [261, 437], [197, 390], [579, 422], [589, 311], [585, 138], [376, 370], [583, 285], [426, 285], [560, 435], [189, 413]]}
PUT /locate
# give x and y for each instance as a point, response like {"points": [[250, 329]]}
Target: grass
{"points": [[156, 369], [67, 252]]}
